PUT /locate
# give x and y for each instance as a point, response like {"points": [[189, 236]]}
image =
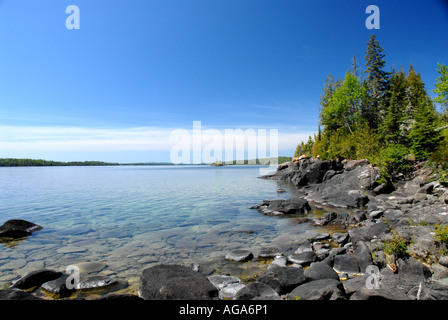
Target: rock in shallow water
{"points": [[17, 228], [36, 278], [239, 255]]}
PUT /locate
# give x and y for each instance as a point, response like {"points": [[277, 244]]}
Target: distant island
{"points": [[12, 162]]}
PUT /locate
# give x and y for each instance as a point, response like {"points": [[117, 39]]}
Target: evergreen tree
{"points": [[423, 136], [377, 82], [442, 88], [391, 126]]}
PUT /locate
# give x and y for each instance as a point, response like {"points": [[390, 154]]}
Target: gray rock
{"points": [[340, 238], [443, 260], [174, 282], [363, 255], [282, 207], [268, 253], [432, 290], [324, 289], [346, 263], [279, 260], [413, 268], [338, 250], [320, 270], [58, 287], [375, 214], [17, 228], [304, 246], [228, 286], [35, 278], [257, 291], [282, 279], [239, 255], [368, 232], [95, 282], [304, 258], [321, 236]]}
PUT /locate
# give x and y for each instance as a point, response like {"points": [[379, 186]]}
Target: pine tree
{"points": [[391, 126], [377, 82], [424, 139]]}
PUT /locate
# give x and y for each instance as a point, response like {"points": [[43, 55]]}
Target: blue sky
{"points": [[137, 70]]}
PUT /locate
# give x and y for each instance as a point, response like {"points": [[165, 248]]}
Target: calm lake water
{"points": [[132, 217]]}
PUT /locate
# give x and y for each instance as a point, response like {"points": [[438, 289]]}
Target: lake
{"points": [[132, 217]]}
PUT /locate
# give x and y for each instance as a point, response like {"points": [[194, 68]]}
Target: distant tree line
{"points": [[384, 116], [11, 162]]}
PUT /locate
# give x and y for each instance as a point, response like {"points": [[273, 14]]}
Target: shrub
{"points": [[398, 246]]}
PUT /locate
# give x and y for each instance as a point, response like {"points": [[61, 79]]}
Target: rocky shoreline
{"points": [[351, 260]]}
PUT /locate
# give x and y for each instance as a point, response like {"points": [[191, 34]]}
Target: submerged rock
{"points": [[17, 228], [95, 282]]}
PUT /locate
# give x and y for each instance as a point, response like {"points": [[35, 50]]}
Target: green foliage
{"points": [[441, 236], [386, 117], [398, 246], [392, 158], [344, 106], [442, 86], [440, 155], [305, 148], [441, 233]]}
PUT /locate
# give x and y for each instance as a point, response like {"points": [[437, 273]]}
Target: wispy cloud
{"points": [[61, 139]]}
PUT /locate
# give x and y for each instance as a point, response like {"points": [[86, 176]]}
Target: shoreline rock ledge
{"points": [[346, 184]]}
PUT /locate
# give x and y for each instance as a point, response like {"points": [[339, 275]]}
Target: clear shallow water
{"points": [[133, 217]]}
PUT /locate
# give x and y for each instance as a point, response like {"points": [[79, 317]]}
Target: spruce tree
{"points": [[377, 82]]}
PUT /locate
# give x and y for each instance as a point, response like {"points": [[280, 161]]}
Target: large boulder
{"points": [[35, 278], [320, 270], [323, 289], [282, 279], [17, 228], [174, 282]]}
